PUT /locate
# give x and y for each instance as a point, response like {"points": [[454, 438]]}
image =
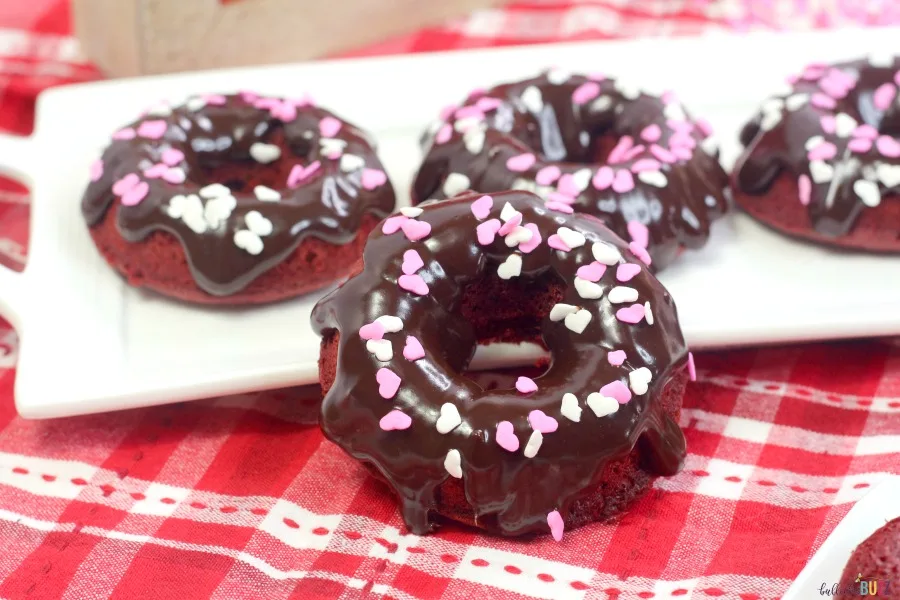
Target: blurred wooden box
{"points": [[139, 37]]}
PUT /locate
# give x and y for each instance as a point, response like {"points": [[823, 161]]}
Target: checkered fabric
{"points": [[241, 497]]}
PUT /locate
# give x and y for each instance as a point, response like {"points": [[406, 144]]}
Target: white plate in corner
{"points": [[90, 343], [868, 515]]}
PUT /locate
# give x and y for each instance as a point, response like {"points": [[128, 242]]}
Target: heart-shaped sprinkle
{"points": [[488, 103], [559, 207], [453, 463], [372, 331], [449, 419], [415, 230], [506, 436], [174, 175], [561, 311], [413, 350], [655, 178], [443, 134], [796, 101], [521, 162], [481, 208], [124, 134], [172, 156], [126, 183], [631, 314], [824, 151], [532, 100], [605, 253], [618, 391], [888, 146], [663, 154], [329, 127], [585, 92], [414, 284], [390, 323], [641, 253], [487, 231], [620, 294], [603, 179], [526, 385], [570, 237], [568, 186], [592, 272], [555, 522], [651, 133], [388, 383], [601, 405], [411, 211], [626, 272], [382, 349], [265, 153], [888, 174], [518, 236], [860, 145], [412, 262], [533, 445], [547, 175], [395, 420], [692, 368], [804, 186], [821, 171], [96, 170], [639, 379], [623, 182], [578, 320], [616, 357], [511, 267], [865, 131], [156, 171], [558, 76], [152, 130], [351, 162], [587, 289], [534, 241], [473, 140], [299, 173], [454, 184], [542, 422], [884, 96], [512, 221], [135, 195], [556, 242], [258, 224], [639, 233], [393, 224], [569, 408], [373, 178], [266, 194], [868, 192], [644, 165]]}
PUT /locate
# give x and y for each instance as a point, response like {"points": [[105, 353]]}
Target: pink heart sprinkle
{"points": [[822, 101], [705, 127], [487, 231], [392, 225], [126, 183], [526, 385], [640, 252], [888, 146], [567, 186], [329, 127], [481, 208], [373, 178], [603, 178], [415, 230], [645, 164], [506, 436], [413, 349], [414, 284], [884, 96], [547, 175], [682, 152], [585, 92], [555, 242], [633, 152], [172, 156], [824, 151], [684, 140], [412, 262], [152, 130], [541, 422], [804, 185], [443, 135], [214, 99], [865, 131], [514, 221], [813, 72], [617, 391], [555, 521], [669, 97], [135, 195], [627, 271], [592, 272], [559, 207], [624, 182], [469, 112], [631, 314], [560, 197], [651, 133], [598, 77], [534, 242], [174, 175], [124, 134], [96, 170], [662, 154], [639, 233], [395, 420], [447, 112], [266, 103], [388, 382], [833, 88], [829, 123], [487, 103], [156, 171], [284, 111], [299, 173], [372, 331], [521, 162], [860, 145], [617, 154], [616, 357], [692, 368], [680, 127]]}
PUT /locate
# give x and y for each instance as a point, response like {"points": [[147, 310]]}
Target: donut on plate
{"points": [[589, 144], [574, 445], [875, 562], [237, 199], [822, 160]]}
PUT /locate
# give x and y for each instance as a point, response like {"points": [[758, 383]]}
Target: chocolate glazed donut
{"points": [[239, 182], [438, 279], [823, 158], [592, 144]]}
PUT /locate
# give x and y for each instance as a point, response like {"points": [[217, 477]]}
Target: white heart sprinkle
{"points": [[588, 289], [532, 99], [648, 314], [449, 419], [352, 162], [821, 171], [266, 194], [773, 105], [888, 174], [770, 120], [331, 147], [654, 178], [176, 206], [578, 320], [844, 124], [454, 184], [511, 267], [601, 104], [474, 140], [558, 76], [533, 444], [160, 110], [813, 141], [796, 101], [195, 103], [675, 112], [710, 145], [868, 192], [214, 190], [517, 236], [639, 380], [411, 211], [507, 212], [561, 311], [605, 253], [601, 405], [390, 323], [453, 463], [570, 237], [631, 92], [382, 349], [467, 124], [881, 60], [620, 294], [570, 408], [257, 223], [248, 241], [265, 153], [217, 210]]}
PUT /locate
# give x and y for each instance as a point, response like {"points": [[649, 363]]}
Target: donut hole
{"points": [[240, 172]]}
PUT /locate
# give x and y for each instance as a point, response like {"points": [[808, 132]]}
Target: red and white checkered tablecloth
{"points": [[241, 497]]}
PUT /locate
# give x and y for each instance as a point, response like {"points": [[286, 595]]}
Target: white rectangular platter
{"points": [[90, 343]]}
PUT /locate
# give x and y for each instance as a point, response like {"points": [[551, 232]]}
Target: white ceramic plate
{"points": [[90, 343], [868, 515]]}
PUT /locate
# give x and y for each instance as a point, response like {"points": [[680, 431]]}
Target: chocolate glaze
{"points": [[575, 137], [777, 137], [508, 492], [328, 205]]}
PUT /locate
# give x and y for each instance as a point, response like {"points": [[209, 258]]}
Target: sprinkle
{"points": [[382, 349], [648, 314], [171, 156], [414, 284], [487, 231], [514, 220], [559, 207], [640, 380], [888, 146], [453, 463], [570, 237], [639, 233], [606, 253], [578, 320], [443, 134], [617, 390], [644, 165], [415, 230], [556, 242], [631, 314], [526, 385], [601, 405], [395, 420], [617, 154], [868, 192], [533, 444], [616, 357], [604, 178], [412, 262], [329, 127], [96, 170], [266, 194], [521, 162], [592, 272], [655, 178], [390, 323], [411, 211], [547, 175], [822, 101], [641, 253], [511, 267], [692, 368], [884, 96], [623, 182], [651, 133], [821, 171], [506, 436], [662, 154], [482, 207], [532, 243], [555, 522], [124, 134], [585, 92], [542, 422], [264, 153], [373, 178], [449, 419], [299, 173], [824, 151], [454, 184], [518, 236], [413, 350], [569, 408], [627, 271], [587, 289], [561, 311], [372, 331], [620, 294], [388, 383], [152, 130], [393, 224]]}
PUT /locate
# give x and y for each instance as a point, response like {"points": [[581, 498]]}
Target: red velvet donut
{"points": [[589, 144], [875, 560], [236, 199], [573, 445]]}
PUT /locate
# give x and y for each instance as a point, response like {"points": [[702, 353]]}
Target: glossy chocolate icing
{"points": [[508, 492], [213, 132], [833, 110], [565, 121]]}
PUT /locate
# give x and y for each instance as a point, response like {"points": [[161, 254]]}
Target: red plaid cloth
{"points": [[241, 497]]}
